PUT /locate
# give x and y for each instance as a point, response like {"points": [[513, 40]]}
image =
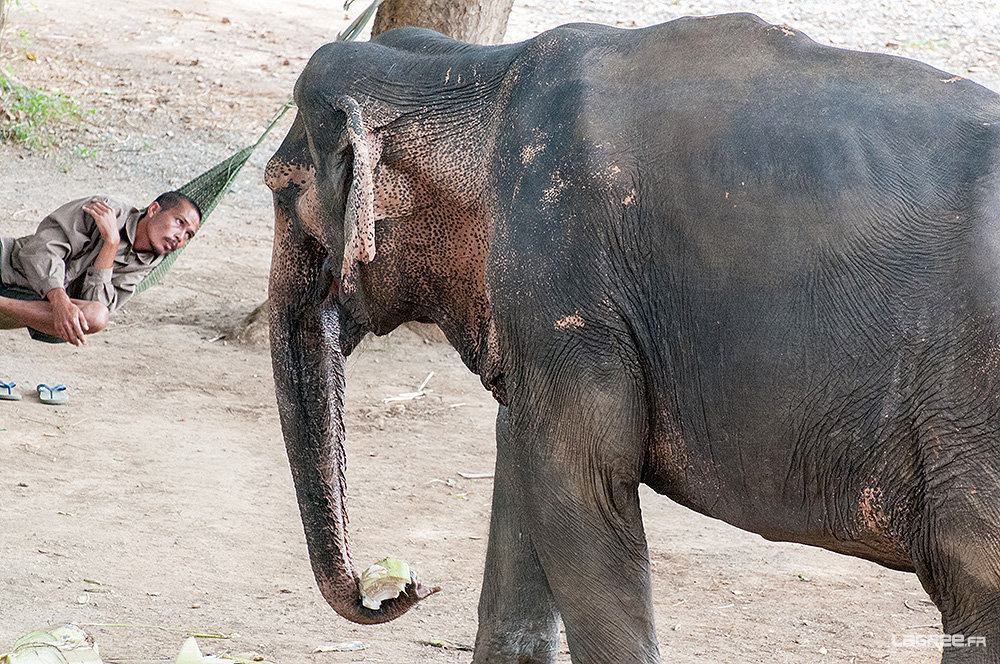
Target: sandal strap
{"points": [[52, 390]]}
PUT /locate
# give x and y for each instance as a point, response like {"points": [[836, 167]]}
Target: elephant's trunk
{"points": [[309, 379]]}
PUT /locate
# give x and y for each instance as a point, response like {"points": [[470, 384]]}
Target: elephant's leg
{"points": [[518, 623], [957, 559], [583, 434]]}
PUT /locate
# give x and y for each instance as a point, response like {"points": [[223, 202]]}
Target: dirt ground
{"points": [[165, 478]]}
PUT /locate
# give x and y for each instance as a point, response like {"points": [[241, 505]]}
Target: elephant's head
{"points": [[379, 219]]}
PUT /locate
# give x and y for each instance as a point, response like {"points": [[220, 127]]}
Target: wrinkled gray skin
{"points": [[759, 275]]}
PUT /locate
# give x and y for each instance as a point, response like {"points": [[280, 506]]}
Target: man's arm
{"points": [[107, 223], [69, 321], [98, 283]]}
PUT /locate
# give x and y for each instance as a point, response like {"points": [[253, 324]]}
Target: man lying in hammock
{"points": [[85, 260]]}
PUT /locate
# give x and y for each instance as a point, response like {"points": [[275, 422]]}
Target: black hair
{"points": [[169, 199]]}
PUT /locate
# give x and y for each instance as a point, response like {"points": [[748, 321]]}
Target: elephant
{"points": [[757, 274]]}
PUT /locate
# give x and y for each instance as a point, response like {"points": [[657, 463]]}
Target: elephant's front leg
{"points": [[518, 623], [581, 436]]}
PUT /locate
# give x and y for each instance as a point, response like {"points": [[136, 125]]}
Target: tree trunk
{"points": [[474, 21]]}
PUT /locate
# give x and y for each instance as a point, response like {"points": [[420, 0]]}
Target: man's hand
{"points": [[107, 224], [68, 319], [106, 220]]}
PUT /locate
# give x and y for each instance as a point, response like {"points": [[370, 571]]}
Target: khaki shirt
{"points": [[62, 252]]}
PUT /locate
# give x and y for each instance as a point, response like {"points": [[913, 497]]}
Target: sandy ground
{"points": [[165, 478]]}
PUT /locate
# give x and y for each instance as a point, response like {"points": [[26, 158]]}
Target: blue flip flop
{"points": [[53, 396], [7, 392]]}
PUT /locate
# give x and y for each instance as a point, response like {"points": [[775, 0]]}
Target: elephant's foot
{"points": [[523, 643]]}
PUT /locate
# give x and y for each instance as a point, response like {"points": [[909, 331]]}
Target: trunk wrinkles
{"points": [[309, 373]]}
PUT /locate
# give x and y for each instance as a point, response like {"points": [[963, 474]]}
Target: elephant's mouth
{"points": [[351, 332]]}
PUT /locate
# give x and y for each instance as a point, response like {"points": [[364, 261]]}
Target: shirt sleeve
{"points": [[43, 255], [63, 234], [124, 288], [97, 286]]}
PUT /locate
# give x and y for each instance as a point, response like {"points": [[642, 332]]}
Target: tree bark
{"points": [[473, 21]]}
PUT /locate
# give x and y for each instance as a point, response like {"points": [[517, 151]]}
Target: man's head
{"points": [[170, 221]]}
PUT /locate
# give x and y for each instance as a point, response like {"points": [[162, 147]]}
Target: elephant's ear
{"points": [[359, 217]]}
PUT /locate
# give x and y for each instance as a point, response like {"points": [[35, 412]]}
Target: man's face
{"points": [[169, 229]]}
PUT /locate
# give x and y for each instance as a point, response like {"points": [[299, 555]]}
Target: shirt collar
{"points": [[131, 221]]}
